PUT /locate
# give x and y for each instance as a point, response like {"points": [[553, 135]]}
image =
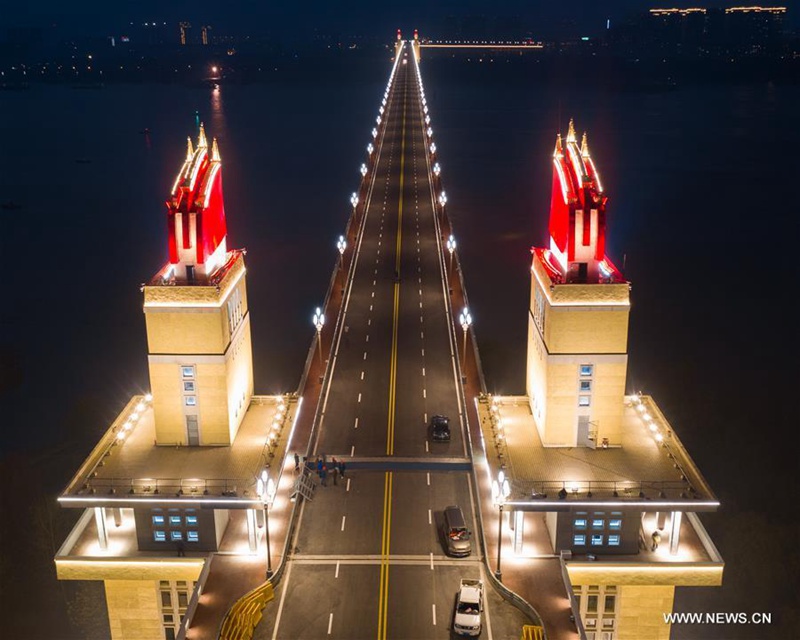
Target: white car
{"points": [[469, 605]]}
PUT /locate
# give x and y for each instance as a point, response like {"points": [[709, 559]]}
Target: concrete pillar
{"points": [[675, 532], [117, 516], [252, 536], [518, 525], [102, 529]]}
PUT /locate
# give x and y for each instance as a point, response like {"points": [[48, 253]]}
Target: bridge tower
{"points": [[398, 43], [415, 45], [198, 325], [578, 315]]}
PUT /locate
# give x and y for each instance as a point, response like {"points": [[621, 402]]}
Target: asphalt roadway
{"points": [[368, 559]]}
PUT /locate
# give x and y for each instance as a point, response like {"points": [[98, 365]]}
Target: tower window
{"points": [[584, 401], [188, 385], [187, 372], [587, 370], [191, 401], [586, 385]]}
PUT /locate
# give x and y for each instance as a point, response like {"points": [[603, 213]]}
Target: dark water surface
{"points": [[702, 211]]}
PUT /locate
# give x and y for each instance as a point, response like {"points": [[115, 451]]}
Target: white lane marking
{"points": [[352, 451], [426, 447], [373, 294], [429, 518], [420, 304], [348, 484], [355, 426], [370, 307], [434, 614], [422, 334], [280, 606], [336, 575], [343, 519], [423, 371], [330, 623], [429, 480], [425, 416], [420, 292], [367, 340], [362, 377], [369, 321], [423, 353], [432, 570], [420, 318], [424, 393], [373, 282], [359, 397], [365, 355]]}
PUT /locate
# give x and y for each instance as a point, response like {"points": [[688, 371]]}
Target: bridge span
{"points": [[367, 558]]}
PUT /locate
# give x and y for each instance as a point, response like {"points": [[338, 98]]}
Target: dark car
{"points": [[440, 428]]}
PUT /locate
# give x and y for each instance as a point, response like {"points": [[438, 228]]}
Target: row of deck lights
{"points": [[278, 421], [133, 418], [659, 437]]}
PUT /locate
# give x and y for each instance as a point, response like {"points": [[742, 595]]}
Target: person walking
{"points": [[323, 475], [341, 468], [656, 540], [296, 462], [319, 465], [335, 473]]}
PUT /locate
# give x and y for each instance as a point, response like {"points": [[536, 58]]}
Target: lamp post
{"points": [[500, 491], [265, 488], [442, 200], [451, 247], [466, 322], [319, 322], [341, 245]]}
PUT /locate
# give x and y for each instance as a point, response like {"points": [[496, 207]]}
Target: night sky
{"points": [[544, 18]]}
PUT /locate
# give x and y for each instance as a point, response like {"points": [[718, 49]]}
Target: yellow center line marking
{"points": [[383, 602]]}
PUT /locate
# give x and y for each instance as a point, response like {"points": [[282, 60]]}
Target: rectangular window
{"points": [[160, 536], [587, 370], [596, 523], [191, 520], [193, 536], [610, 607], [591, 604], [579, 540], [174, 521], [188, 385], [188, 372], [584, 401], [615, 524], [183, 599], [580, 523], [177, 536], [613, 540], [597, 540], [158, 521], [586, 385], [191, 401], [166, 599]]}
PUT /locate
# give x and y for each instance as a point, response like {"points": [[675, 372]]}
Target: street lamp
{"points": [[466, 321], [451, 247], [354, 199], [265, 488], [319, 322], [374, 132], [437, 169], [341, 245], [363, 170], [442, 200], [500, 491], [370, 149]]}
